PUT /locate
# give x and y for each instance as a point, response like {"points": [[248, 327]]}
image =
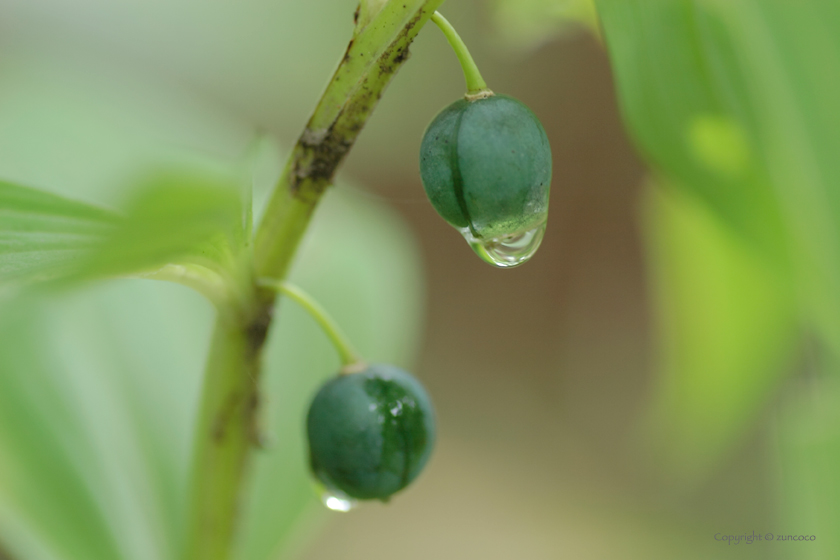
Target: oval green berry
{"points": [[486, 167], [370, 433]]}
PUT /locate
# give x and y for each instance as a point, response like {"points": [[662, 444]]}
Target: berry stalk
{"points": [[476, 86], [349, 357]]}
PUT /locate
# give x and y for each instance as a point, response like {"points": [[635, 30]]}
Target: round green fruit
{"points": [[370, 433], [486, 167]]}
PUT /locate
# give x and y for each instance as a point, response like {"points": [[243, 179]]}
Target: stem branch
{"points": [[349, 356], [475, 83]]}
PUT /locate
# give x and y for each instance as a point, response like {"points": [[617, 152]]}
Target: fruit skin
{"points": [[486, 165], [370, 433]]}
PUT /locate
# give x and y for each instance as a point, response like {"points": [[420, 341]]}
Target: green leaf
{"points": [[32, 479], [686, 102], [736, 104], [185, 218], [726, 325], [808, 431], [42, 235], [175, 217], [96, 393], [792, 53]]}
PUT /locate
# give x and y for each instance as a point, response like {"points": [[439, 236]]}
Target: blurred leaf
{"points": [[726, 327], [43, 235], [736, 102], [35, 426], [792, 53], [175, 217], [527, 24], [809, 444], [99, 389], [686, 101]]}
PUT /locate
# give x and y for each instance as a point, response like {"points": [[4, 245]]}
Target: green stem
{"points": [[226, 424], [225, 432], [349, 356], [476, 86], [371, 61]]}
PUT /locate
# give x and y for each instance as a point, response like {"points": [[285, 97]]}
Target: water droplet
{"points": [[337, 501], [507, 251]]}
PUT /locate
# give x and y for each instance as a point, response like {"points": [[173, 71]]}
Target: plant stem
{"points": [[225, 428], [225, 433], [349, 356], [475, 83], [372, 58]]}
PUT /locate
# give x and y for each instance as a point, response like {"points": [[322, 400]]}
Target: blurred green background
{"points": [[664, 370]]}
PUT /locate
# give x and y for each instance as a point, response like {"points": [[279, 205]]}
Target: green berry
{"points": [[370, 433], [486, 167]]}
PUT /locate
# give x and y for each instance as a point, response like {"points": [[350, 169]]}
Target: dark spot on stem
{"points": [[347, 52], [319, 153], [223, 418], [256, 330], [402, 56]]}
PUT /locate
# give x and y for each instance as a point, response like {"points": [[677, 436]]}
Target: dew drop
{"points": [[337, 501], [507, 251]]}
